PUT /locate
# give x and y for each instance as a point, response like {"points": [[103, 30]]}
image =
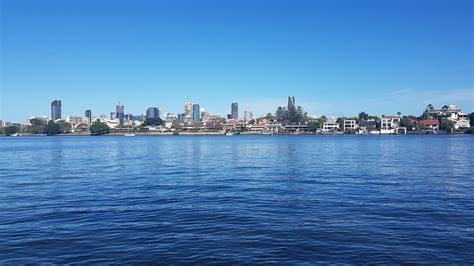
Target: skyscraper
{"points": [[248, 116], [119, 112], [89, 115], [56, 110], [152, 112], [196, 112], [235, 110], [188, 109], [291, 103]]}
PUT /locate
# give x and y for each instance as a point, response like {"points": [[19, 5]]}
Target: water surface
{"points": [[239, 199]]}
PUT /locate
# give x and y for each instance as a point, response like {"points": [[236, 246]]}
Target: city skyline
{"points": [[163, 54]]}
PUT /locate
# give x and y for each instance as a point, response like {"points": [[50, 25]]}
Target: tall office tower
{"points": [[56, 110], [291, 103], [119, 112], [188, 109], [89, 115], [235, 110], [161, 113], [181, 117], [152, 112], [248, 116], [196, 112]]}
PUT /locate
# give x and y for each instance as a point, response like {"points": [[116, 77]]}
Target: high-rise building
{"points": [[181, 117], [56, 110], [196, 112], [188, 109], [248, 116], [88, 114], [161, 113], [112, 115], [235, 110], [291, 103], [119, 112], [152, 112]]}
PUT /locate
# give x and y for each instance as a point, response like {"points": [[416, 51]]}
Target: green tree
{"points": [[37, 122], [64, 126], [52, 128], [36, 129], [471, 119], [11, 130], [152, 122], [99, 128], [446, 124], [363, 116]]}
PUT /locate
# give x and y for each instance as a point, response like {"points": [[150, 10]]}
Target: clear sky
{"points": [[336, 57]]}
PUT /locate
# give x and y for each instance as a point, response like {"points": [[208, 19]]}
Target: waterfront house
{"points": [[349, 125], [296, 129], [391, 125], [429, 124], [258, 128], [274, 127], [330, 125]]}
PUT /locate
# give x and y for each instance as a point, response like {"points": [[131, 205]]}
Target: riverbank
{"points": [[222, 133]]}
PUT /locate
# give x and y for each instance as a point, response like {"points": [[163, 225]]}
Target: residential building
{"points": [[330, 125], [88, 114], [152, 112], [296, 129], [349, 124], [274, 127], [258, 128], [235, 110], [389, 124], [429, 124], [196, 112], [56, 110]]}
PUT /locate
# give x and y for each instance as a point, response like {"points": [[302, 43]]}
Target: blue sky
{"points": [[336, 57]]}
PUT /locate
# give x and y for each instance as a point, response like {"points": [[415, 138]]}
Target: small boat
{"points": [[129, 135], [229, 134]]}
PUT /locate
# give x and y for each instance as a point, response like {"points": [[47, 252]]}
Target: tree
{"points": [[81, 127], [37, 122], [11, 130], [363, 116], [471, 119], [281, 114], [446, 124], [152, 122], [399, 113], [294, 115], [64, 126], [323, 118], [36, 129], [99, 128], [52, 128]]}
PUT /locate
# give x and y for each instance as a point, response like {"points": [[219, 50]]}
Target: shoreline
{"points": [[217, 134]]}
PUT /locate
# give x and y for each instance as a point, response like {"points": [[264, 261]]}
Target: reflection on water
{"points": [[261, 199]]}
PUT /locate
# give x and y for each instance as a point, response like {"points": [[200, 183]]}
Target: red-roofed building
{"points": [[429, 123]]}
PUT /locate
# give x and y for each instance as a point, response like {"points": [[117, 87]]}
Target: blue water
{"points": [[239, 199]]}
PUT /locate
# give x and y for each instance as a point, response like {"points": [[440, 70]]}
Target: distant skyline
{"points": [[336, 57]]}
